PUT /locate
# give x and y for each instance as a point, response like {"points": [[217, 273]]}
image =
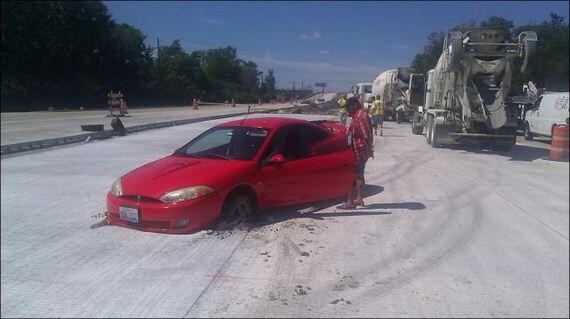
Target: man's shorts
{"points": [[377, 119]]}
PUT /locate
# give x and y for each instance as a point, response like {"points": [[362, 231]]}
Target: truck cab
{"points": [[364, 93]]}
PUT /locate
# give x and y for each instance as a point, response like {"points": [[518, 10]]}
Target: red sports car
{"points": [[233, 170]]}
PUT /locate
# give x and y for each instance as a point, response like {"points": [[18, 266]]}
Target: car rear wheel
{"points": [[235, 211]]}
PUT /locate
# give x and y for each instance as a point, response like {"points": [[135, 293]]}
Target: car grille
{"points": [[141, 199]]}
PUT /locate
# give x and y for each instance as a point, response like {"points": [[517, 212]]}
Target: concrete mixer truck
{"points": [[466, 91], [401, 90]]}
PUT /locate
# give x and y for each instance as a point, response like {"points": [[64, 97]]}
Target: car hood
{"points": [[174, 172]]}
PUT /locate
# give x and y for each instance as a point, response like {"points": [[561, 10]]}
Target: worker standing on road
{"points": [[360, 138], [342, 109], [377, 114]]}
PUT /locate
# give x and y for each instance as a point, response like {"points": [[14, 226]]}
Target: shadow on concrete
{"points": [[518, 152], [308, 211]]}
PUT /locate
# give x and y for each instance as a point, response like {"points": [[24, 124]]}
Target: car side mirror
{"points": [[276, 159]]}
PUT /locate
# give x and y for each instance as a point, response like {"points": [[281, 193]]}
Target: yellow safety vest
{"points": [[378, 108], [342, 105]]}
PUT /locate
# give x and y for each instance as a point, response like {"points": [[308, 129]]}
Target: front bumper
{"points": [[155, 216]]}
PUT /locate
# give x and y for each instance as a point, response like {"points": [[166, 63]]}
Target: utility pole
{"points": [[157, 48]]}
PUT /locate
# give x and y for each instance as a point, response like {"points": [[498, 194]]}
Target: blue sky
{"points": [[337, 42]]}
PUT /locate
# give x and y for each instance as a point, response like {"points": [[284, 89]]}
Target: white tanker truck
{"points": [[466, 91], [401, 90]]}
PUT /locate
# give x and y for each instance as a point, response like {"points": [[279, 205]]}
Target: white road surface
{"points": [[448, 232]]}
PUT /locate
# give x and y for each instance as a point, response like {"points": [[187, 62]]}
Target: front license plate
{"points": [[129, 214]]}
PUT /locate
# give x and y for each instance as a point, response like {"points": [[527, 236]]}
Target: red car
{"points": [[233, 170]]}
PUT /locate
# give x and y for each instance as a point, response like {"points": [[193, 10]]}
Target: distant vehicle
{"points": [[364, 93], [467, 90], [233, 170], [549, 110], [402, 92]]}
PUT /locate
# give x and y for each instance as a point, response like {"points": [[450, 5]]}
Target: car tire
{"points": [[527, 133], [236, 210]]}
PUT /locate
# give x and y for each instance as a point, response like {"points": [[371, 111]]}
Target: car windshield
{"points": [[368, 89], [240, 143]]}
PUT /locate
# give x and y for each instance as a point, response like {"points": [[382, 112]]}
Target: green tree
{"points": [[498, 23], [47, 47], [549, 66], [176, 75], [270, 84], [427, 60]]}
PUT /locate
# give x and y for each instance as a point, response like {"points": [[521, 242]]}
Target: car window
{"points": [[275, 145], [294, 142], [311, 135], [240, 143]]}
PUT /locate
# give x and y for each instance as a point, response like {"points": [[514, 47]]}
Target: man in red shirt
{"points": [[360, 138]]}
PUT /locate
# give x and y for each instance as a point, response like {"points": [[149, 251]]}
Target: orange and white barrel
{"points": [[560, 145]]}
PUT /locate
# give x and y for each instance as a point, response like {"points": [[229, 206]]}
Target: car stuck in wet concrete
{"points": [[233, 170]]}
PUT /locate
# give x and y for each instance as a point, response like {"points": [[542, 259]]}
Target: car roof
{"points": [[266, 122]]}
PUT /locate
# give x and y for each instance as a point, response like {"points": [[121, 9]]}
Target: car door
{"points": [[285, 183], [305, 176], [332, 162]]}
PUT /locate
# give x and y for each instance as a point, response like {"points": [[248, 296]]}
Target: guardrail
{"points": [[60, 141]]}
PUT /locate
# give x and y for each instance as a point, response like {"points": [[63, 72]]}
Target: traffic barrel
{"points": [[559, 147]]}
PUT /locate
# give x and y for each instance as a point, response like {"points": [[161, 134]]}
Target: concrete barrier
{"points": [[59, 141]]}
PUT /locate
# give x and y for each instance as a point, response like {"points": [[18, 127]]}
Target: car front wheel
{"points": [[235, 211]]}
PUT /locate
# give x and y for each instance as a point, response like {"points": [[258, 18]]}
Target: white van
{"points": [[549, 110]]}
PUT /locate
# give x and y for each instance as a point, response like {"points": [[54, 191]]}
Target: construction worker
{"points": [[377, 114], [342, 109]]}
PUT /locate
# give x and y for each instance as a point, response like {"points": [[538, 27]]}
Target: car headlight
{"points": [[185, 194], [117, 188]]}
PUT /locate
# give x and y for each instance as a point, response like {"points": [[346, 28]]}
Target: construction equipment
{"points": [[466, 91], [401, 90]]}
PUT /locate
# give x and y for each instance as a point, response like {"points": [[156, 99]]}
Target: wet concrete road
{"points": [[447, 232]]}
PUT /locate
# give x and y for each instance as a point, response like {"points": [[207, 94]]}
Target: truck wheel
{"points": [[429, 130], [417, 127], [435, 132], [527, 133]]}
